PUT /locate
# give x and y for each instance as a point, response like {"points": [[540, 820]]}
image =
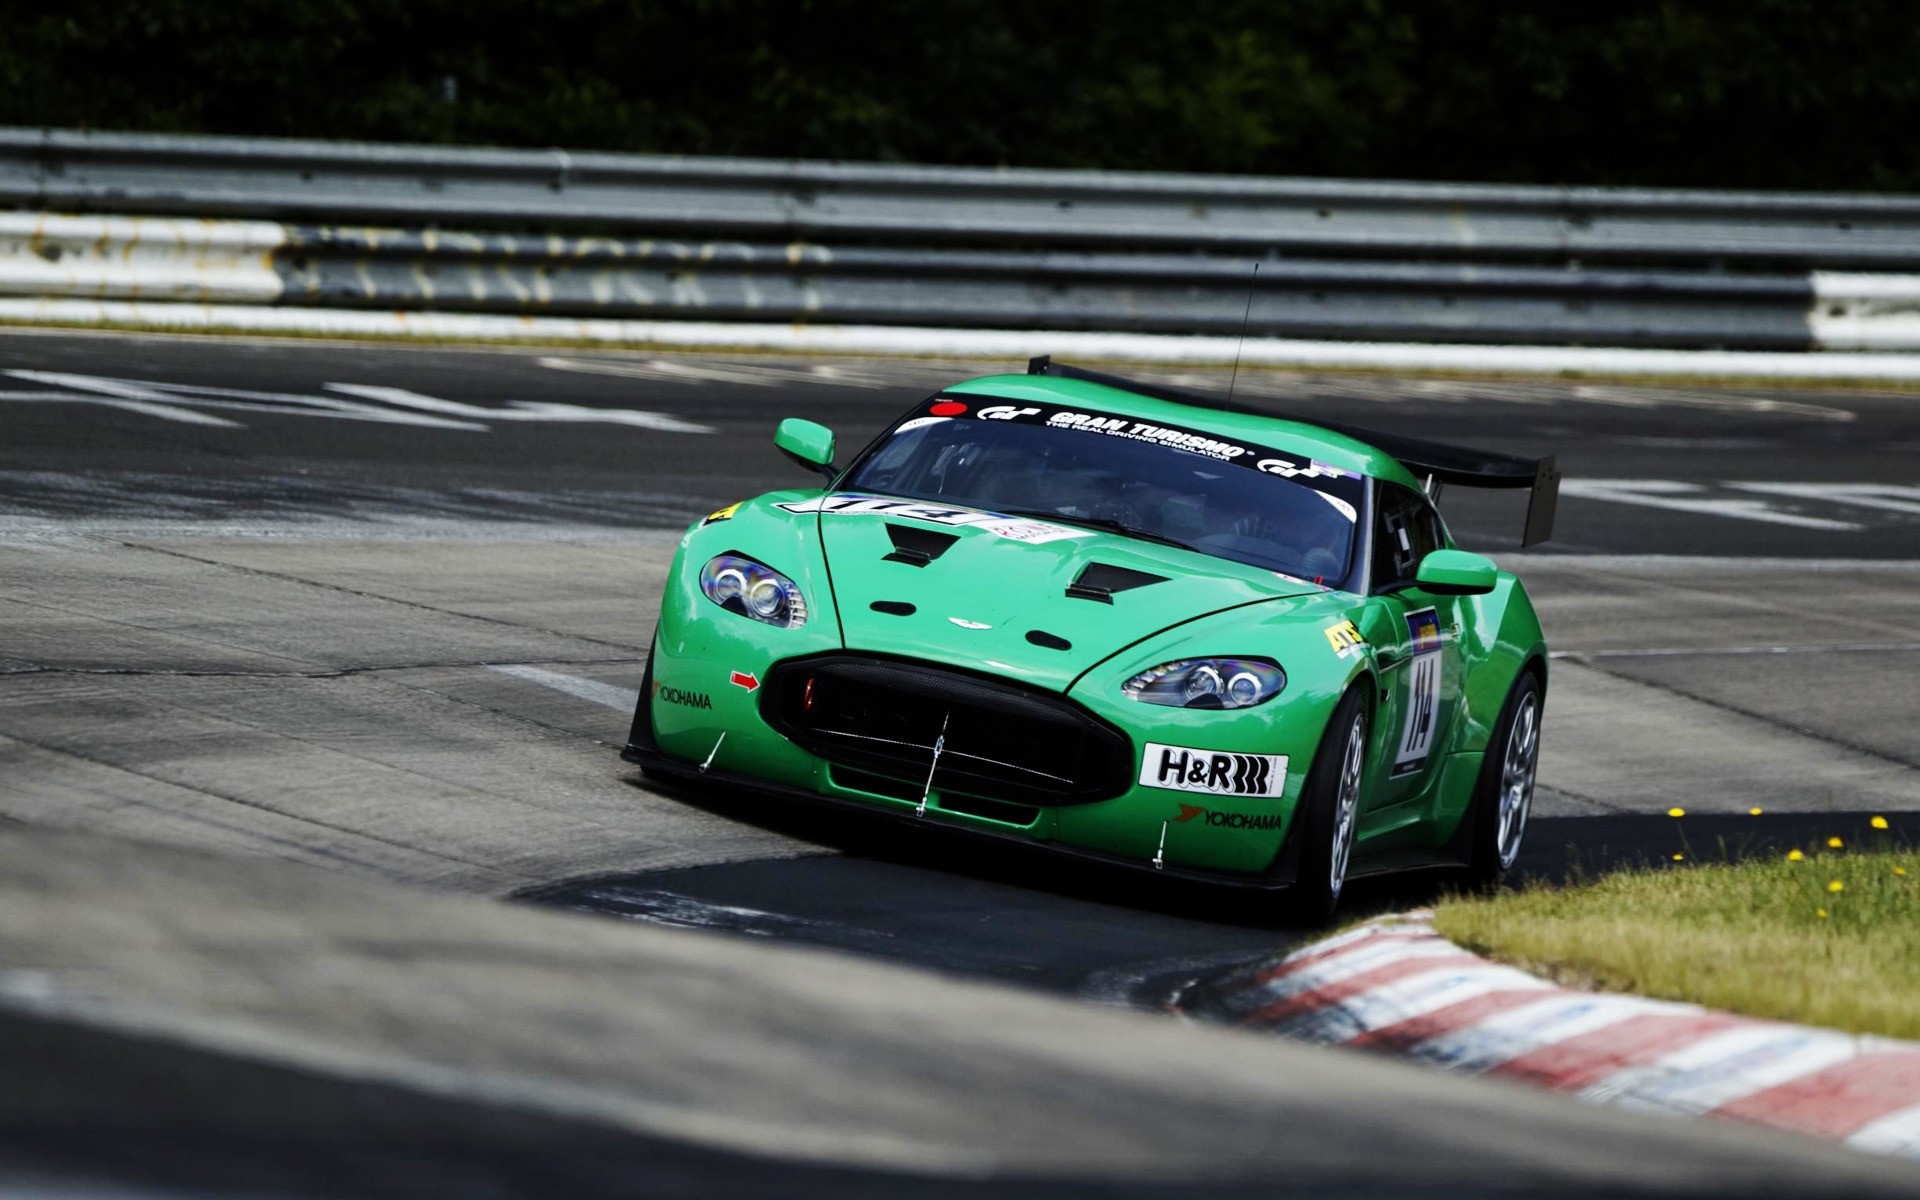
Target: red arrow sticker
{"points": [[743, 679]]}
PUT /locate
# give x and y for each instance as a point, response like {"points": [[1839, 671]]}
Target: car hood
{"points": [[975, 590]]}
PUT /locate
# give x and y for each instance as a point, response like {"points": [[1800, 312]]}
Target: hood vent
{"points": [[1051, 641], [917, 547], [1099, 581], [893, 608]]}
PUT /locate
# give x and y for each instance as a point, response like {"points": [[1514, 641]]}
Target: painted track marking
{"points": [[1676, 496], [583, 689], [383, 405]]}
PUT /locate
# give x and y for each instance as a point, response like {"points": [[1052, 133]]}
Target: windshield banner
{"points": [[1322, 477]]}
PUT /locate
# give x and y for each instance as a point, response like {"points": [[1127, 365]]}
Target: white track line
{"points": [[573, 685]]}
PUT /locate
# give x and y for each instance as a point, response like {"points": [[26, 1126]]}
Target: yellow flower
{"points": [[1679, 857], [1834, 843], [1676, 812], [1794, 856], [1899, 870], [1821, 913], [1836, 886], [1754, 812], [1878, 822]]}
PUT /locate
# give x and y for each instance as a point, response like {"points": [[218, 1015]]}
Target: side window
{"points": [[1405, 530]]}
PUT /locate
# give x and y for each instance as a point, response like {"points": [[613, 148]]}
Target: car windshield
{"points": [[1218, 495]]}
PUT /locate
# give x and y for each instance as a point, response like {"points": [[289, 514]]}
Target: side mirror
{"points": [[808, 443], [1457, 573]]}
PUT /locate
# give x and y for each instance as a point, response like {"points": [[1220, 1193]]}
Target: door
{"points": [[1416, 641]]}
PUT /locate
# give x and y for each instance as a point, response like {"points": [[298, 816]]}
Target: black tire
{"points": [[1503, 795], [1326, 846]]}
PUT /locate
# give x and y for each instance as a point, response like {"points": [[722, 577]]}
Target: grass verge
{"points": [[1825, 936]]}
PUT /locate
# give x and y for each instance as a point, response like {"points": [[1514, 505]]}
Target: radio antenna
{"points": [[1235, 377]]}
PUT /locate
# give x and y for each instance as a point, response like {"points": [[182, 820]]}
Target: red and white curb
{"points": [[1396, 985]]}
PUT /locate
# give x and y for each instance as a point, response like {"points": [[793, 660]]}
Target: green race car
{"points": [[1123, 621]]}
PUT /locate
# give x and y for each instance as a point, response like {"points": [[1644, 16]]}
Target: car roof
{"points": [[1297, 437]]}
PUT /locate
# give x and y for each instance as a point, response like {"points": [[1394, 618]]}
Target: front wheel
{"points": [[1503, 798], [1330, 813]]}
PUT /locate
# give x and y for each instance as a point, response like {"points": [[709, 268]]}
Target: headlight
{"points": [[741, 585], [1208, 683]]}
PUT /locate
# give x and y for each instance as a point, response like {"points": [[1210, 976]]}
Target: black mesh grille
{"points": [[992, 810], [997, 740], [955, 802]]}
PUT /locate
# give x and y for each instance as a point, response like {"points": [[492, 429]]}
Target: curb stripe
{"points": [[1584, 1060], [1898, 1133], [1838, 1100], [1724, 1067], [1403, 1034], [1348, 943], [1308, 994], [1353, 962], [1396, 985], [1416, 993], [1558, 1017]]}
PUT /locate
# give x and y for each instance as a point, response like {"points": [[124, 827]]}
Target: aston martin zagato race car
{"points": [[1123, 621]]}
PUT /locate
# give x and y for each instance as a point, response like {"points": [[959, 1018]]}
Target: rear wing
{"points": [[1457, 465]]}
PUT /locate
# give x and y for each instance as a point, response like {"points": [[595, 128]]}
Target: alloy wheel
{"points": [[1346, 802], [1516, 779]]}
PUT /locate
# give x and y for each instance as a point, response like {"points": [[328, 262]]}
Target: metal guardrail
{"points": [[955, 247], [711, 198], [1145, 293]]}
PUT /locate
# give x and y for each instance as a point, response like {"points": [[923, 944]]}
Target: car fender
{"points": [[708, 661], [1502, 637], [1290, 631]]}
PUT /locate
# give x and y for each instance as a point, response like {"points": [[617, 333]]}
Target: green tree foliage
{"points": [[1754, 93]]}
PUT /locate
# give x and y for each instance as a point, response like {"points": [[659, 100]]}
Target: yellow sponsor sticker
{"points": [[1344, 638], [724, 514]]}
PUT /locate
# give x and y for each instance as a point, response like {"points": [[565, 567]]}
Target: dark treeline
{"points": [[1821, 94]]}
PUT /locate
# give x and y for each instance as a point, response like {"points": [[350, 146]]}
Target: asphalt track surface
{"points": [[375, 611]]}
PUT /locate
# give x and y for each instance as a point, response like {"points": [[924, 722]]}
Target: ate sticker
{"points": [[1344, 637]]}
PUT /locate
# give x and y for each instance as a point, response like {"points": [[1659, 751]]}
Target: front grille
{"points": [[998, 741], [953, 802], [993, 810]]}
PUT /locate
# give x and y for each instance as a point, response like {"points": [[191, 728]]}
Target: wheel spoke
{"points": [[1517, 770], [1346, 803]]}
